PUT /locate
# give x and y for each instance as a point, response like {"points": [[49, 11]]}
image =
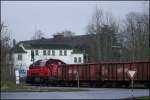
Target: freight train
{"points": [[56, 72]]}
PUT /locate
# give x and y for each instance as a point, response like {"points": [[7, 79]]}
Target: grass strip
{"points": [[26, 88], [143, 98]]}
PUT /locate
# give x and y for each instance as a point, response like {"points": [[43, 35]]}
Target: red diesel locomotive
{"points": [[56, 72]]}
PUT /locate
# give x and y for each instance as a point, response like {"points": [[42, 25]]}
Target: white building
{"points": [[22, 53]]}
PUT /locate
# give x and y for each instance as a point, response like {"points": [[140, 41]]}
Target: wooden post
{"points": [[132, 87], [77, 75]]}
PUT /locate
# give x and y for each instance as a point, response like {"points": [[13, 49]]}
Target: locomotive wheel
{"points": [[37, 79]]}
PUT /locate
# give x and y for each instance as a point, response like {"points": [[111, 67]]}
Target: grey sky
{"points": [[25, 17]]}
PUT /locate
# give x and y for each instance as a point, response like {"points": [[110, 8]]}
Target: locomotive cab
{"points": [[43, 71]]}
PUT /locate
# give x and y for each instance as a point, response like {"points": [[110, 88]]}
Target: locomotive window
{"points": [[43, 62], [49, 61], [54, 61], [59, 63], [19, 57], [37, 62], [44, 52]]}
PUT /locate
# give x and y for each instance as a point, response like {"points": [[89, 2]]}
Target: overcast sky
{"points": [[25, 17]]}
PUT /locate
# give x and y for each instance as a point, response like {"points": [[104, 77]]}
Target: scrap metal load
{"points": [[56, 72]]}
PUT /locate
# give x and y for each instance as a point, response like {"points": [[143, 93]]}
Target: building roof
{"points": [[72, 42], [18, 49]]}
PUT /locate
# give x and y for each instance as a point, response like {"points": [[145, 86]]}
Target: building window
{"points": [[75, 59], [44, 52], [79, 59], [60, 52], [36, 52], [53, 52], [65, 52], [19, 57], [49, 52]]}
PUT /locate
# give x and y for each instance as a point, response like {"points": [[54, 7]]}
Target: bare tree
{"points": [[38, 35], [6, 68], [103, 29], [137, 36], [94, 28]]}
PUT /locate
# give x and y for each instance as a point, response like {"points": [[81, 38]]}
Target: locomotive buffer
{"points": [[131, 74]]}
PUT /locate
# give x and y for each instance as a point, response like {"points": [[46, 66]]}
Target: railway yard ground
{"points": [[47, 92], [23, 87], [91, 93]]}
